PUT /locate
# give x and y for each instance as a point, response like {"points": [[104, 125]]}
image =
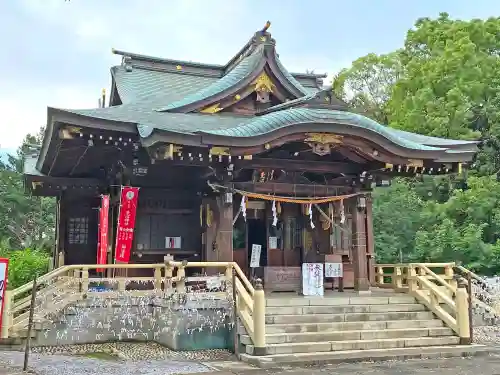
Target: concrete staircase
{"points": [[315, 329]]}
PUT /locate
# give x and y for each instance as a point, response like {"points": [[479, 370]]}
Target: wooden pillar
{"points": [[224, 235], [370, 240], [209, 236], [55, 253], [62, 227], [359, 260]]}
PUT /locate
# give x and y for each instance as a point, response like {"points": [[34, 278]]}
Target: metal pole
{"points": [[469, 297], [235, 317], [30, 326]]}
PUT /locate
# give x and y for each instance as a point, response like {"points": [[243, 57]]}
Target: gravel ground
{"points": [[488, 335], [57, 364], [137, 351]]}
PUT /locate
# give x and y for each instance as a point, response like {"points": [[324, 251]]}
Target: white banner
{"points": [[312, 279], [255, 257]]}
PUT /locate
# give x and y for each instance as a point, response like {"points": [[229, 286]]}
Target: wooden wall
{"points": [[166, 214], [78, 228]]}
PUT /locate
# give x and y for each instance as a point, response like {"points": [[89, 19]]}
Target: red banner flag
{"points": [[126, 223], [102, 244], [4, 271]]}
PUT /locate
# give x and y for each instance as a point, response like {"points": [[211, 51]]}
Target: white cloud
{"points": [[24, 112], [194, 30]]}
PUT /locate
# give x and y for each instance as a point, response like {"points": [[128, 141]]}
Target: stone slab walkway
{"points": [[483, 365]]}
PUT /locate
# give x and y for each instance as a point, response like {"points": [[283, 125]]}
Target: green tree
{"points": [[396, 211], [367, 85], [25, 221], [451, 84]]}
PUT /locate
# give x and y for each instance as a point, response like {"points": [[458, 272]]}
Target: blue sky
{"points": [[58, 53]]}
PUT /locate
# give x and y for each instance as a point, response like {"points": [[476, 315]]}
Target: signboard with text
{"points": [[102, 244], [126, 223], [312, 279], [4, 269], [333, 270], [255, 256]]}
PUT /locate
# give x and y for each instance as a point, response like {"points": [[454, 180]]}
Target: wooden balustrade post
{"points": [[169, 272], [397, 278], [412, 278], [380, 276], [228, 275], [157, 276], [462, 305], [259, 319], [180, 285], [448, 272], [85, 280], [60, 259], [7, 315]]}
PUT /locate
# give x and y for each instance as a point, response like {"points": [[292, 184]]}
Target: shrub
{"points": [[24, 265]]}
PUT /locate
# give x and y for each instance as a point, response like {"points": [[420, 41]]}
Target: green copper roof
{"points": [[291, 78], [149, 121], [138, 84], [241, 71], [431, 141], [277, 120]]}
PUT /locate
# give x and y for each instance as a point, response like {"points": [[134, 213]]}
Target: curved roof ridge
{"points": [[288, 76], [235, 75], [276, 120], [432, 141]]}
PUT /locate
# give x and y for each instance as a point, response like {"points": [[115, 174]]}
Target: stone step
{"points": [[351, 326], [305, 347], [282, 338], [353, 317], [275, 301], [298, 359], [343, 309]]}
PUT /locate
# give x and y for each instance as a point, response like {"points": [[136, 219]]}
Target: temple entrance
{"points": [[257, 234]]}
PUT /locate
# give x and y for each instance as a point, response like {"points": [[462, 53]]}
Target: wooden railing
{"points": [[433, 285], [482, 297], [67, 284]]}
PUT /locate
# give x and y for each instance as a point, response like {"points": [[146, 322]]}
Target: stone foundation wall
{"points": [[192, 323]]}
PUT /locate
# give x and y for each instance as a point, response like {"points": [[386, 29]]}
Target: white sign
{"points": [[172, 242], [3, 284], [255, 258], [3, 278], [273, 242], [312, 279], [214, 283], [334, 270]]}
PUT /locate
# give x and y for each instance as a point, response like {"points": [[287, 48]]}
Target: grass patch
{"points": [[101, 355]]}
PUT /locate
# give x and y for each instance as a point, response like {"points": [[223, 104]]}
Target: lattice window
{"points": [[78, 230], [293, 233], [340, 235]]}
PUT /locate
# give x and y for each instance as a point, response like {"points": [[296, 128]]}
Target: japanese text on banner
{"points": [[126, 223], [102, 246]]}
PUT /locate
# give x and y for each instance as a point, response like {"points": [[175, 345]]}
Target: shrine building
{"points": [[226, 157]]}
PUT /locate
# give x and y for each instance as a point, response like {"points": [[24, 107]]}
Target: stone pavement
{"points": [[480, 365]]}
